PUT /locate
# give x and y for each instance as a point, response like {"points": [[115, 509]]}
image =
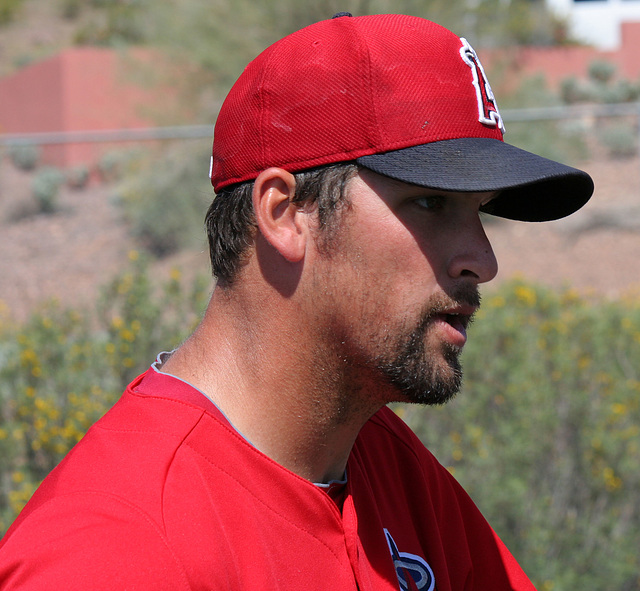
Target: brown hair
{"points": [[230, 221]]}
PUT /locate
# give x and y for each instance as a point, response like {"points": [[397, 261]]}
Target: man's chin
{"points": [[434, 396], [427, 371], [440, 386]]}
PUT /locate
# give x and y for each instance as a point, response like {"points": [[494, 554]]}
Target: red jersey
{"points": [[163, 493]]}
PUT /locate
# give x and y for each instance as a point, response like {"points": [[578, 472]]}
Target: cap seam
{"points": [[265, 151], [371, 91]]}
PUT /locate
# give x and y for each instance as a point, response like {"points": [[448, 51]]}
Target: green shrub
{"points": [[167, 202], [546, 433], [601, 87], [601, 71], [622, 91], [71, 9], [111, 166], [140, 318], [551, 139], [572, 91], [61, 370], [78, 177], [8, 10], [114, 23], [25, 156], [621, 141], [45, 188], [116, 165]]}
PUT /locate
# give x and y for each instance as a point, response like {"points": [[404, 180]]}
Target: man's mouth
{"points": [[453, 313], [458, 320]]}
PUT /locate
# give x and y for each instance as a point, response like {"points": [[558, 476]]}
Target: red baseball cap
{"points": [[398, 94]]}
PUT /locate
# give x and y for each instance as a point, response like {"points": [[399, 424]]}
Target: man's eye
{"points": [[431, 202]]}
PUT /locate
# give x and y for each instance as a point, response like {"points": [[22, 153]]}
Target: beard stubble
{"points": [[423, 373]]}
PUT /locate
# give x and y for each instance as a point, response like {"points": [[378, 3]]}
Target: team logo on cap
{"points": [[487, 107], [413, 571]]}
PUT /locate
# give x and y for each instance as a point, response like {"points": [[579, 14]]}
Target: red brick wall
{"points": [[558, 63], [79, 89]]}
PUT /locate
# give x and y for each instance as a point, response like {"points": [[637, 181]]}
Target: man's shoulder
{"points": [[101, 509], [127, 454], [139, 434]]}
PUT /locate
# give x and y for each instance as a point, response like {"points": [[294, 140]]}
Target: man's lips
{"points": [[455, 323]]}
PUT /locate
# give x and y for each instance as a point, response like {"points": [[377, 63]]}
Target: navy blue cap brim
{"points": [[531, 188]]}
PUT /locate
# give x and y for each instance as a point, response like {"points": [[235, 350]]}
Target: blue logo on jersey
{"points": [[413, 571]]}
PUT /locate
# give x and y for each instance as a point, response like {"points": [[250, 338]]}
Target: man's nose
{"points": [[475, 258]]}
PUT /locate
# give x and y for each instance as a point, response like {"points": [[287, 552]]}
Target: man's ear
{"points": [[282, 223]]}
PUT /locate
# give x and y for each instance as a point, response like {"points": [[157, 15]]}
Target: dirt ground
{"points": [[70, 254]]}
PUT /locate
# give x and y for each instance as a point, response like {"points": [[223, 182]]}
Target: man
{"points": [[351, 161]]}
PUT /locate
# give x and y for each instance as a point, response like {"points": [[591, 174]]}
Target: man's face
{"points": [[401, 285]]}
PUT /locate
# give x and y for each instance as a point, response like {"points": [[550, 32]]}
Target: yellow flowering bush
{"points": [[545, 435], [546, 432], [63, 369]]}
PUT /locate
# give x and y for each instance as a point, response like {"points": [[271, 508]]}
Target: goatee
{"points": [[425, 374]]}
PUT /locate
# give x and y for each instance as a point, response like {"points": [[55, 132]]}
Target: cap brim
{"points": [[532, 188]]}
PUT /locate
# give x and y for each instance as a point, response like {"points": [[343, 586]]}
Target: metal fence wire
{"points": [[177, 132]]}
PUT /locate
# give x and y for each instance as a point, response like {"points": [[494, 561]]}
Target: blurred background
{"points": [[106, 120]]}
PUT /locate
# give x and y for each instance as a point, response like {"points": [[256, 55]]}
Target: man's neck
{"points": [[291, 402]]}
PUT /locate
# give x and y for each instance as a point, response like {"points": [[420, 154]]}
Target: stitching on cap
{"points": [[373, 95]]}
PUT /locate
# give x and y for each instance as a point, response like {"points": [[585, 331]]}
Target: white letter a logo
{"points": [[487, 108]]}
